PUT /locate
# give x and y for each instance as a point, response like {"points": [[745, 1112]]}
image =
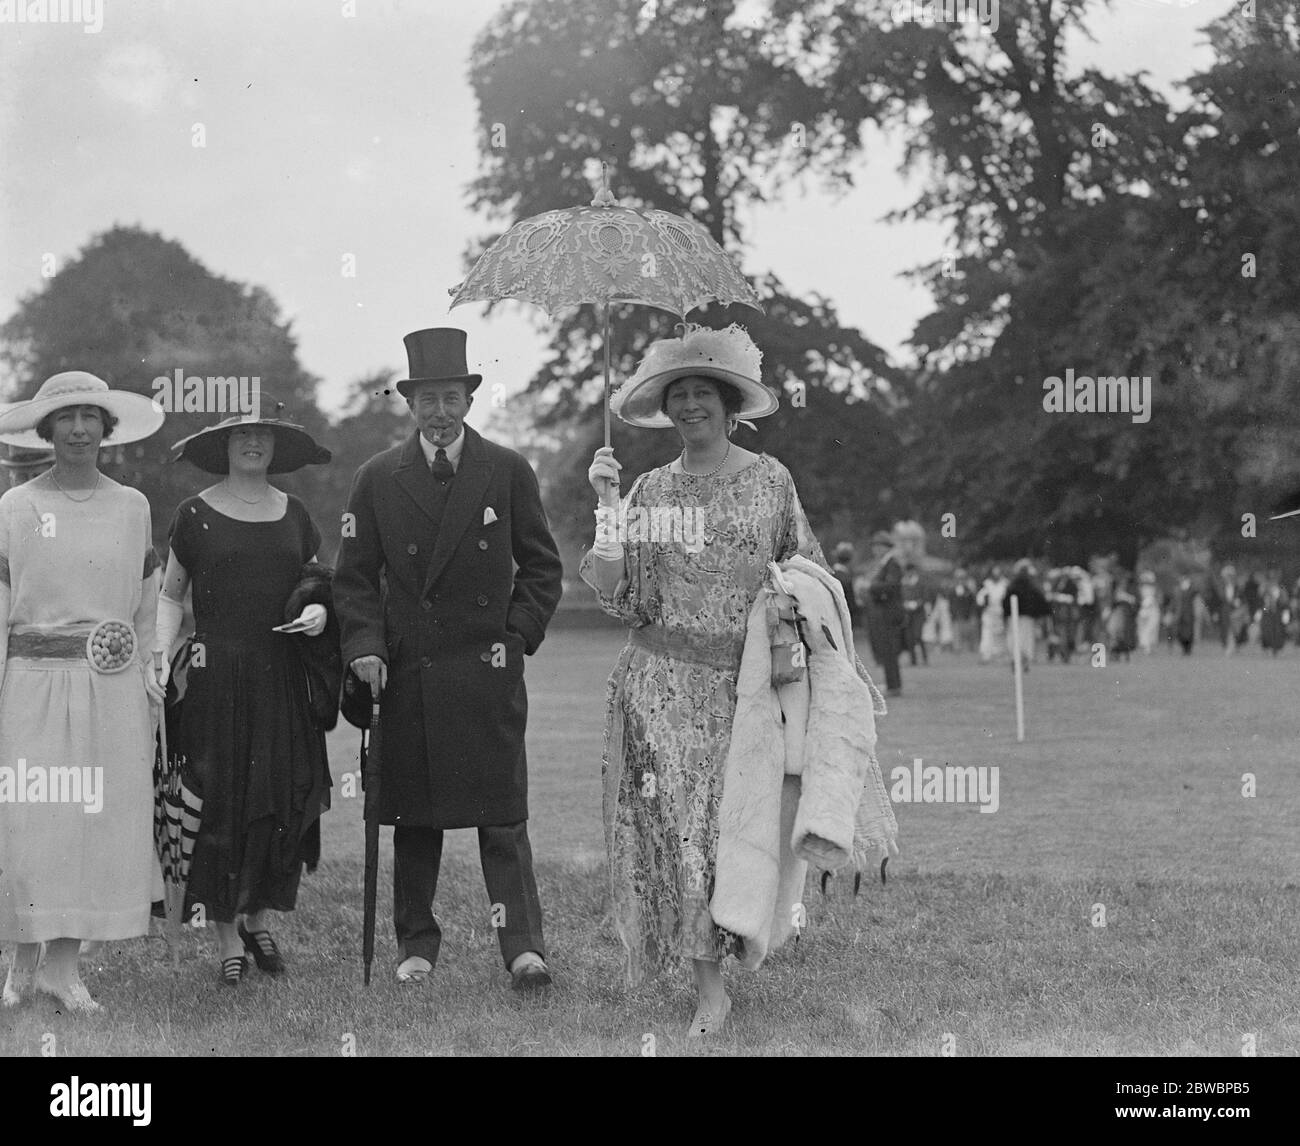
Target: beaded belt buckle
{"points": [[110, 647]]}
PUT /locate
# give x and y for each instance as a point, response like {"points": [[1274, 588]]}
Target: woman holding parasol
{"points": [[686, 598]]}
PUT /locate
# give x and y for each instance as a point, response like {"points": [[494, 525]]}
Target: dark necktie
{"points": [[441, 466]]}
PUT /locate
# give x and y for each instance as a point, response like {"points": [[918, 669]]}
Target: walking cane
{"points": [[370, 782]]}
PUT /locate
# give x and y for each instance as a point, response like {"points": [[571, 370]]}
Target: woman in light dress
{"points": [[1148, 615], [78, 589], [993, 638], [686, 600]]}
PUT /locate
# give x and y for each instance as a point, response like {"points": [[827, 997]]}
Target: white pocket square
{"points": [[489, 515]]}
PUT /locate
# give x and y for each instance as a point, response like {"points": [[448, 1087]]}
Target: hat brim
{"points": [[137, 416], [406, 385], [639, 404], [294, 447], [22, 439]]}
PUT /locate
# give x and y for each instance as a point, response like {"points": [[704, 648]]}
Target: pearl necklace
{"points": [[713, 472], [255, 501], [98, 478]]}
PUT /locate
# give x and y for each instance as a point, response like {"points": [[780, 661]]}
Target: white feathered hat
{"points": [[728, 355]]}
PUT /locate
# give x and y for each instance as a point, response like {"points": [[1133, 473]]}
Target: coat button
{"points": [[482, 544], [485, 657], [425, 662], [412, 549], [426, 605], [482, 600]]}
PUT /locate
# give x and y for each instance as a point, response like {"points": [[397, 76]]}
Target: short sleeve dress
{"points": [[695, 573], [76, 745], [247, 741]]}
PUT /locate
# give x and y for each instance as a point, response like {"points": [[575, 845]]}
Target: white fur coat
{"points": [[806, 788]]}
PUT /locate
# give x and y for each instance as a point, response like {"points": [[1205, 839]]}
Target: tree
{"points": [[132, 307], [1093, 229], [699, 115], [373, 418]]}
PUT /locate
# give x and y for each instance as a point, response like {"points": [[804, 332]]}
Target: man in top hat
{"points": [[447, 578]]}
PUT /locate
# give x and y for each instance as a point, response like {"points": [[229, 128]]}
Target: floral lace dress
{"points": [[693, 577]]}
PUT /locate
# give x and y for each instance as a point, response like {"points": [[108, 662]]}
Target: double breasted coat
{"points": [[452, 607]]}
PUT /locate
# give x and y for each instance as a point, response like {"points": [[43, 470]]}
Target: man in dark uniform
{"points": [[448, 576], [886, 619]]}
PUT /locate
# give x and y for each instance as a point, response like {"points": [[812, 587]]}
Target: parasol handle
{"points": [[605, 319], [613, 482]]}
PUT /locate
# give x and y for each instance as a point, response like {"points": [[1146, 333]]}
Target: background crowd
{"points": [[910, 604]]}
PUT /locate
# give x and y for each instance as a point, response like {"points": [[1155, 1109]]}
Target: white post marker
{"points": [[1015, 668]]}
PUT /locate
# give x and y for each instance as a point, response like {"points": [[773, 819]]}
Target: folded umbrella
{"points": [[176, 815], [370, 757]]}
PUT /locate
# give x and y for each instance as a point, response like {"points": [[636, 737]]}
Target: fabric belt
{"points": [[717, 652], [52, 642], [69, 643]]}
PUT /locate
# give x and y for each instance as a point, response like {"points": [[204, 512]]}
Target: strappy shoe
{"points": [[73, 996], [262, 947], [234, 969], [707, 1021], [18, 984]]}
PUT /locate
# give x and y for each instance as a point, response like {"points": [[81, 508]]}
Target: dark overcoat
{"points": [[452, 609]]}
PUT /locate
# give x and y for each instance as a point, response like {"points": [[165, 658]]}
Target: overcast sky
{"points": [[329, 135]]}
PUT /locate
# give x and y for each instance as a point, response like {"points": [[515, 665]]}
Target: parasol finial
{"points": [[604, 197]]}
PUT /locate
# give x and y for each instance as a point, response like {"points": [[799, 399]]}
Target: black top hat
{"points": [[294, 447], [437, 355]]}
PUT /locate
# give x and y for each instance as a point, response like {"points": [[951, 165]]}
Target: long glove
{"points": [[315, 617], [145, 621], [170, 618]]}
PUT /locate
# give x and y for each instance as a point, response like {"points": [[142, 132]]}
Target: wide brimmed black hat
{"points": [[436, 355], [294, 447]]}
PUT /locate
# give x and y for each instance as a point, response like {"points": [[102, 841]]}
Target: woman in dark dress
{"points": [[251, 749]]}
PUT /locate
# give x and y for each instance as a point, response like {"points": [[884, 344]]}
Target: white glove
{"points": [[603, 476], [314, 618], [155, 684], [171, 616], [607, 547]]}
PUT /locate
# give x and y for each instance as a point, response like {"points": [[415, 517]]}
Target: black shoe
{"points": [[234, 969], [893, 692], [262, 947]]}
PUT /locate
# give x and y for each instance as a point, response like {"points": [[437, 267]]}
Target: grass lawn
{"points": [[1127, 792]]}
